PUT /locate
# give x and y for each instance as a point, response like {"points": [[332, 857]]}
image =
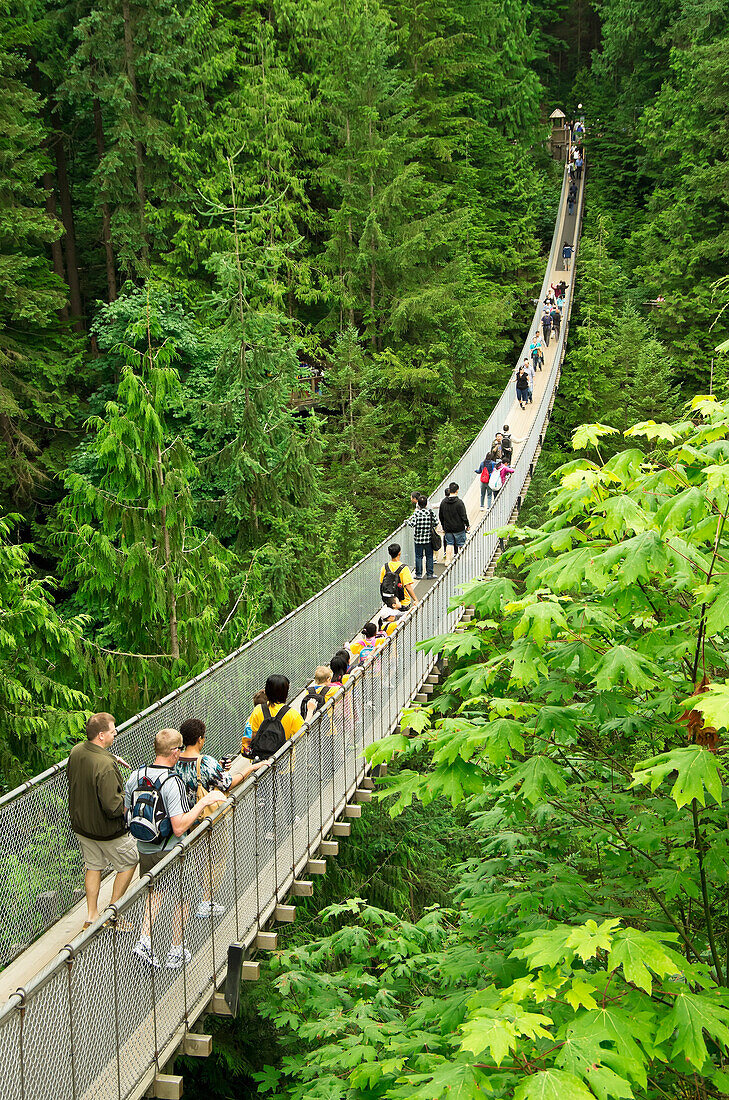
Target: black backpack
{"points": [[506, 445], [314, 692], [269, 736], [391, 587]]}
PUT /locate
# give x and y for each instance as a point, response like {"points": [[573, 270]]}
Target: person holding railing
{"points": [[159, 817], [201, 773]]}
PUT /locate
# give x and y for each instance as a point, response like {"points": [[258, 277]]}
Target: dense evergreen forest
{"points": [[203, 205]]}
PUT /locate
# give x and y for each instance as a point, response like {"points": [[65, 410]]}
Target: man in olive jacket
{"points": [[96, 809]]}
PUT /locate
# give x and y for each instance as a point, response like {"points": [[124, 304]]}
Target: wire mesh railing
{"points": [[98, 1022], [40, 864]]}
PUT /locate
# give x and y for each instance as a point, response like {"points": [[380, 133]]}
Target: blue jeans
{"points": [[420, 549], [456, 539], [491, 494]]}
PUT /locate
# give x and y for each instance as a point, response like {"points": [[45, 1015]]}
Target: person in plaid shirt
{"points": [[423, 521]]}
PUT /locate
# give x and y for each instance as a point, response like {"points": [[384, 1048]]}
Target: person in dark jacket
{"points": [[96, 809], [453, 519]]}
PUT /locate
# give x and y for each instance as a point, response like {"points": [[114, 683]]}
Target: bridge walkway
{"points": [[83, 1017]]}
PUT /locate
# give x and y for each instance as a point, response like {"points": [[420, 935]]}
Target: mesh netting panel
{"points": [[94, 1027]]}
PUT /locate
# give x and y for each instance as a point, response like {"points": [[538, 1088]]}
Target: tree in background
{"points": [[36, 356], [41, 664], [153, 582]]}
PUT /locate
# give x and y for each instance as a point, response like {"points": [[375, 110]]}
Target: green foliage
{"points": [[36, 359], [41, 657], [587, 954], [153, 581]]}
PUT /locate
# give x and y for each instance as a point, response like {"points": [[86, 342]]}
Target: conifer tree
{"points": [[34, 360], [153, 582], [41, 664]]}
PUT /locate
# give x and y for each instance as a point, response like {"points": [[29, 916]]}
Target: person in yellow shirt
{"points": [[277, 692], [388, 619], [405, 593]]}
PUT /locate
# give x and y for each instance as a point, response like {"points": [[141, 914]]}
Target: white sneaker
{"points": [[143, 952], [176, 956], [209, 909]]}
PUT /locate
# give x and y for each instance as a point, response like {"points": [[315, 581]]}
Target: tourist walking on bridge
{"points": [[396, 581], [556, 321], [546, 327], [522, 387], [424, 522], [453, 519], [96, 809], [567, 251]]}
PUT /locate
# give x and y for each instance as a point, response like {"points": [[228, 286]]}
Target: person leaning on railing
{"points": [[172, 827], [96, 809], [201, 773]]}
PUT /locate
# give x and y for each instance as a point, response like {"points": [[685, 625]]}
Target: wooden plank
{"points": [[302, 888], [250, 971], [167, 1086], [219, 1006], [341, 828], [316, 867], [329, 848], [362, 795], [285, 914], [267, 941], [368, 784], [197, 1045], [351, 810]]}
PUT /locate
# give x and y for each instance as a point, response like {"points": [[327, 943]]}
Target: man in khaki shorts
{"points": [[96, 809]]}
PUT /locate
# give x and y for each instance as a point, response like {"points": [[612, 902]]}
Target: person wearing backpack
{"points": [[202, 773], [396, 581], [484, 471], [273, 723], [454, 519], [318, 693], [424, 523], [159, 816]]}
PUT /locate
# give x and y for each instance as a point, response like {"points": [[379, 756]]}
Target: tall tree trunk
{"points": [[69, 241], [170, 579], [138, 152], [56, 250], [349, 226], [105, 212]]}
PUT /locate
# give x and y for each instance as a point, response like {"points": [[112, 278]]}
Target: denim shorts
{"points": [[454, 538]]}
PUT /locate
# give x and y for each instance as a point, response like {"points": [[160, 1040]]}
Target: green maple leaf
{"points": [[697, 771], [651, 430], [552, 1084], [585, 1057], [624, 1029], [713, 704], [539, 621], [635, 951], [589, 435], [691, 1015], [717, 618], [622, 514], [580, 994], [454, 782], [622, 665], [454, 1080], [384, 750], [589, 938], [498, 1030], [535, 775]]}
